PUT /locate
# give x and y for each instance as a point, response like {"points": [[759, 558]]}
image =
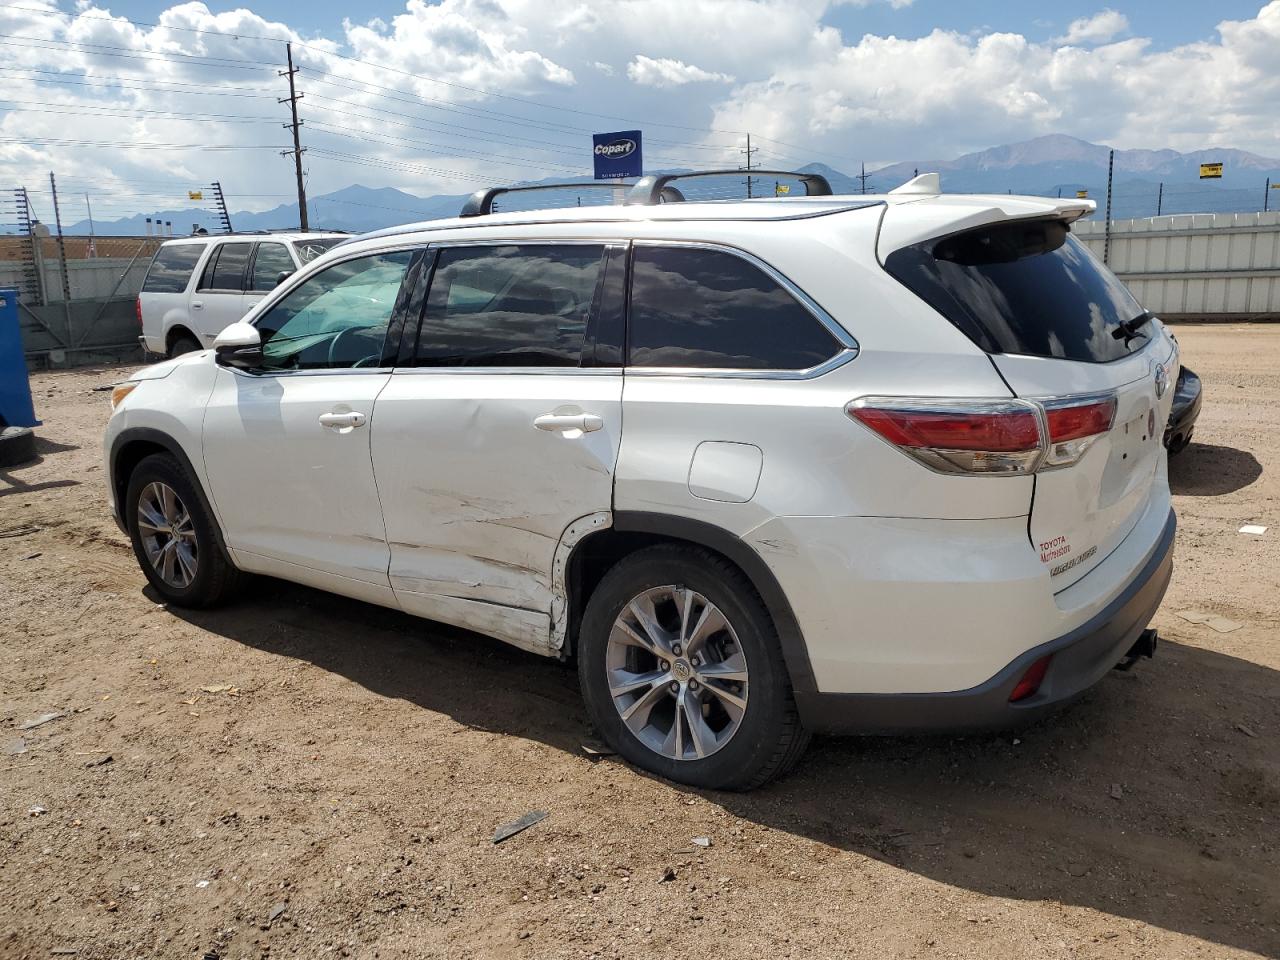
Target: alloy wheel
{"points": [[168, 535], [677, 673]]}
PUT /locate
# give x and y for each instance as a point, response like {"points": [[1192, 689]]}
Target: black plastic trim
{"points": [[1081, 658], [1187, 399], [151, 435], [739, 552]]}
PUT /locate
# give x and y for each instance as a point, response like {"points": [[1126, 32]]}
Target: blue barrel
{"points": [[15, 384]]}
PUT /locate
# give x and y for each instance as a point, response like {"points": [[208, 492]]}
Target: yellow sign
{"points": [[781, 189], [1082, 194], [1210, 171], [195, 194]]}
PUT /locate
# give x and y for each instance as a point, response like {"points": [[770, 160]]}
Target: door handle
{"points": [[342, 419], [586, 422], [197, 305]]}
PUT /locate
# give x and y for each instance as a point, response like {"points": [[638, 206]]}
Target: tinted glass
{"points": [[229, 272], [172, 268], [271, 260], [1028, 288], [308, 250], [338, 318], [708, 308], [510, 306]]}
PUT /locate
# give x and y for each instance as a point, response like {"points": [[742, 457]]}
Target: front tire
{"points": [[173, 536], [683, 674]]}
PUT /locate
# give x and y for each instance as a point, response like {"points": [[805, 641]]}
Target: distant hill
{"points": [[1054, 165]]}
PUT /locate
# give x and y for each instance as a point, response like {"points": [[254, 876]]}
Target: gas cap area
{"points": [[724, 471]]}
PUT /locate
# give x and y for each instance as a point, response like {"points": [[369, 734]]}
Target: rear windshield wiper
{"points": [[1129, 329]]}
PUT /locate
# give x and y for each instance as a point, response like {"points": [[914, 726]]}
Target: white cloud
{"points": [[1099, 28], [553, 73], [665, 72]]}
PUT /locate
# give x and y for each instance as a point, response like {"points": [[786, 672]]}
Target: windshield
{"points": [[308, 250], [1027, 287]]}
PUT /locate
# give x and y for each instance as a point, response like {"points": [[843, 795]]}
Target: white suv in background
{"points": [[763, 468], [195, 286]]}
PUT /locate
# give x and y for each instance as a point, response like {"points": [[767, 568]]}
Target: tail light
{"points": [[137, 308], [1074, 424], [988, 437], [958, 436]]}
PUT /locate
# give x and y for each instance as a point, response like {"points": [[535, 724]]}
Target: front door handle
{"points": [[197, 305], [341, 420], [563, 423]]}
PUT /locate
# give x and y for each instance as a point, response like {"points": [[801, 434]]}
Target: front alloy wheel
{"points": [[168, 535], [677, 673]]}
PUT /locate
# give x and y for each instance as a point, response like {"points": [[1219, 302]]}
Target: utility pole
{"points": [[62, 257], [222, 207], [92, 250], [863, 176], [1266, 196], [1160, 199], [1106, 237], [297, 151], [748, 152]]}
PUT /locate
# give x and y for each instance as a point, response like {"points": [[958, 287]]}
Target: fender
{"points": [[152, 436], [794, 651]]}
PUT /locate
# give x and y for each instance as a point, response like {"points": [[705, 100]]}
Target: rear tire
{"points": [[736, 729], [173, 536], [183, 344]]}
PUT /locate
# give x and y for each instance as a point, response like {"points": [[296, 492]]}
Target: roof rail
{"points": [[655, 188], [480, 203]]}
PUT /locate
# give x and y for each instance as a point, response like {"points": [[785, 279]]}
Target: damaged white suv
{"points": [[764, 468]]}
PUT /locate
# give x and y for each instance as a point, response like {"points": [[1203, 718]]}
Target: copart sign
{"points": [[617, 155]]}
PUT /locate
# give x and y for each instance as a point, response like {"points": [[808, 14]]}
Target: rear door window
{"points": [[171, 270], [509, 306], [1025, 288], [698, 308], [228, 274]]}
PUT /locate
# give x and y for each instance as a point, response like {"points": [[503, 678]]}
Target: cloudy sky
{"points": [[138, 101]]}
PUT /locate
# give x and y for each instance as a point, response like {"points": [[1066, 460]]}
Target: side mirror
{"points": [[282, 276], [240, 346]]}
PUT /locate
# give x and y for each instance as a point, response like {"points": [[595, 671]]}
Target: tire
{"points": [[183, 344], [766, 738], [213, 579], [17, 445]]}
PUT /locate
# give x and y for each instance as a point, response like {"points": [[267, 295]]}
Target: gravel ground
{"points": [[299, 775]]}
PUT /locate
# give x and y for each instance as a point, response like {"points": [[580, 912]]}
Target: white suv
{"points": [[195, 286], [764, 468]]}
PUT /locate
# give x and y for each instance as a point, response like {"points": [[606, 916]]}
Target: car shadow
{"points": [[1144, 801], [1210, 470]]}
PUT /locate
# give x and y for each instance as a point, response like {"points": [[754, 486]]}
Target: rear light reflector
{"points": [[1074, 424], [958, 436], [1031, 680], [137, 308]]}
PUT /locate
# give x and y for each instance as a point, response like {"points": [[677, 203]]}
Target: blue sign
{"points": [[617, 155]]}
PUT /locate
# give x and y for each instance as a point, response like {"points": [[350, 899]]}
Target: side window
{"points": [[709, 308], [228, 275], [206, 276], [509, 306], [337, 318], [172, 268], [271, 260]]}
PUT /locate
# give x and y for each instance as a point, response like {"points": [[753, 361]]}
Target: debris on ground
{"points": [[594, 748], [36, 811], [1254, 529], [1222, 624], [99, 761], [219, 688], [15, 747], [1247, 731], [19, 532], [1116, 792], [668, 875], [508, 830], [277, 911], [702, 841], [41, 720], [1193, 616]]}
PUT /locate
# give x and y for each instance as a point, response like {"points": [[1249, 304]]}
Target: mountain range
{"points": [[1053, 165]]}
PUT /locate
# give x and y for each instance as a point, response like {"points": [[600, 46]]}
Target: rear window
{"points": [[707, 308], [1027, 287], [172, 268], [308, 250]]}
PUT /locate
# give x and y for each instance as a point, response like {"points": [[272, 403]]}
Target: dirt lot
{"points": [[339, 798]]}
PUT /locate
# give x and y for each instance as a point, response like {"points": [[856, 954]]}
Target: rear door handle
{"points": [[562, 423], [197, 305], [342, 419]]}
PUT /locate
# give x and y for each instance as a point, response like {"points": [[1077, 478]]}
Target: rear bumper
{"points": [[1080, 659]]}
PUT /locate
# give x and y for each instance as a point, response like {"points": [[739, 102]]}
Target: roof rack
{"points": [[480, 203], [656, 189]]}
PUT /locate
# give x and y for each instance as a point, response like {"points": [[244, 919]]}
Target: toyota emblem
{"points": [[1162, 380]]}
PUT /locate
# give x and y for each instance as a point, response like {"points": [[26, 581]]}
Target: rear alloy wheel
{"points": [[181, 345], [683, 674], [173, 535]]}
